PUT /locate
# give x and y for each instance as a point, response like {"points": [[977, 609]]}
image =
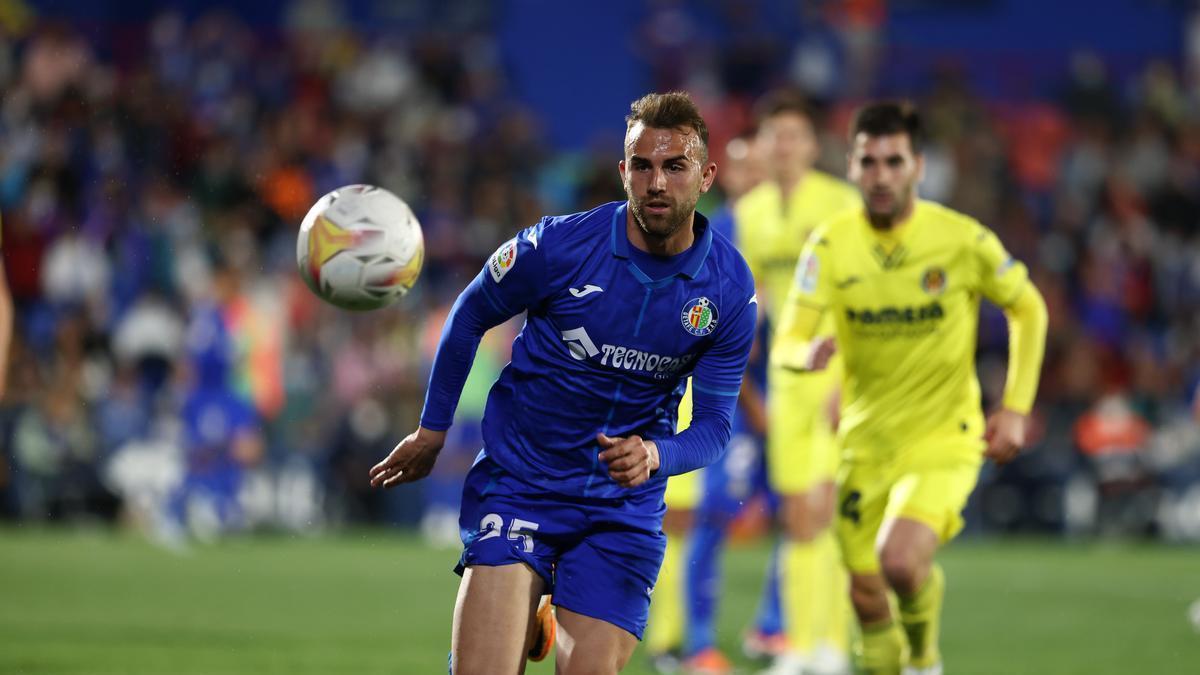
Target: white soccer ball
{"points": [[360, 247]]}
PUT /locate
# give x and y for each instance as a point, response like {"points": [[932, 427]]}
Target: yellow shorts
{"points": [[801, 444], [931, 488]]}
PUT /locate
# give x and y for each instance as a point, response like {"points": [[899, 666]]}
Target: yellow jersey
{"points": [[905, 308], [771, 232]]}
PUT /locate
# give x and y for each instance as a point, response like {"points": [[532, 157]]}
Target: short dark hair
{"points": [[784, 101], [673, 110], [885, 118]]}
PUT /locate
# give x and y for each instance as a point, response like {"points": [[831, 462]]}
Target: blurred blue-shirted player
{"points": [[220, 428], [622, 304]]}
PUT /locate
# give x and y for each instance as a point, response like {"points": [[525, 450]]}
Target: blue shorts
{"points": [[599, 557]]}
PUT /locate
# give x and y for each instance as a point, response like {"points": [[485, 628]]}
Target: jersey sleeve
{"points": [[811, 284], [716, 383], [806, 302], [515, 277], [1001, 277], [512, 280]]}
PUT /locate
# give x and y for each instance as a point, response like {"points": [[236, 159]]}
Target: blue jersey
{"points": [[605, 348]]}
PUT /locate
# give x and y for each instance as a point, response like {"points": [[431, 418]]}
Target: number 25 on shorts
{"points": [[491, 524]]}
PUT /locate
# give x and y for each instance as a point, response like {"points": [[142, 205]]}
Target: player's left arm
{"points": [[716, 384], [1005, 281]]}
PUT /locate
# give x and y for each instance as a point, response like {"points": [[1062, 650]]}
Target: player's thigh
{"points": [[862, 500], [935, 495], [589, 645], [491, 619], [801, 445], [610, 575]]}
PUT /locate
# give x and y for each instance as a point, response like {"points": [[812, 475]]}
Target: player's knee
{"points": [[595, 662], [803, 517], [902, 569]]}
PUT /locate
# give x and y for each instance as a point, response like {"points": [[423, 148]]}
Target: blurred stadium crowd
{"points": [[170, 368]]}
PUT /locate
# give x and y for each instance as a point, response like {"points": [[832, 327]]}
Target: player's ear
{"points": [[919, 159], [621, 170], [707, 178]]}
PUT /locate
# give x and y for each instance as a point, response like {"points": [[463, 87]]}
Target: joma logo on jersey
{"points": [[931, 312], [699, 316]]}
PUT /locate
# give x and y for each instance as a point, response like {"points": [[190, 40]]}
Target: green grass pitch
{"points": [[379, 602]]}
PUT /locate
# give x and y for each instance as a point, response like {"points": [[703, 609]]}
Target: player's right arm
{"points": [[512, 280], [797, 346], [1005, 281]]}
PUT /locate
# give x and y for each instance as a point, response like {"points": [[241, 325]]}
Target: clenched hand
{"points": [[630, 460], [1005, 435]]}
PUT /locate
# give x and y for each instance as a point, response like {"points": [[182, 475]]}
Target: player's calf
{"points": [[543, 631], [869, 596]]}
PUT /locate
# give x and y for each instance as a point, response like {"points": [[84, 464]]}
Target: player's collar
{"points": [[696, 253]]}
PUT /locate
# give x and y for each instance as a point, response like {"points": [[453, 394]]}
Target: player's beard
{"points": [[661, 226], [884, 217]]}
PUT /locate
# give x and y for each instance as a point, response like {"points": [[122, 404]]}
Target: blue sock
{"points": [[703, 584], [770, 611]]}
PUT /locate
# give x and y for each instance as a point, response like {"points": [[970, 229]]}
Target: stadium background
{"points": [[155, 163]]}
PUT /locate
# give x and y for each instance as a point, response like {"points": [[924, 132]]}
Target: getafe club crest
{"points": [[699, 316], [934, 281]]}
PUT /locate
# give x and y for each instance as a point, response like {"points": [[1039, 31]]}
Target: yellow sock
{"points": [[921, 614], [665, 629], [801, 579], [833, 601], [880, 649]]}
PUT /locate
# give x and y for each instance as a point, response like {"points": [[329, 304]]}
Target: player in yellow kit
{"points": [[902, 279], [774, 220]]}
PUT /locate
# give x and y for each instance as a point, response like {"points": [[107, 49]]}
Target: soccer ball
{"points": [[360, 247]]}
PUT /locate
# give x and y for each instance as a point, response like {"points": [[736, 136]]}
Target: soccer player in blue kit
{"points": [[622, 303]]}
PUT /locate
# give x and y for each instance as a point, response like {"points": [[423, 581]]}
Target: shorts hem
{"points": [[461, 567], [938, 525]]}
